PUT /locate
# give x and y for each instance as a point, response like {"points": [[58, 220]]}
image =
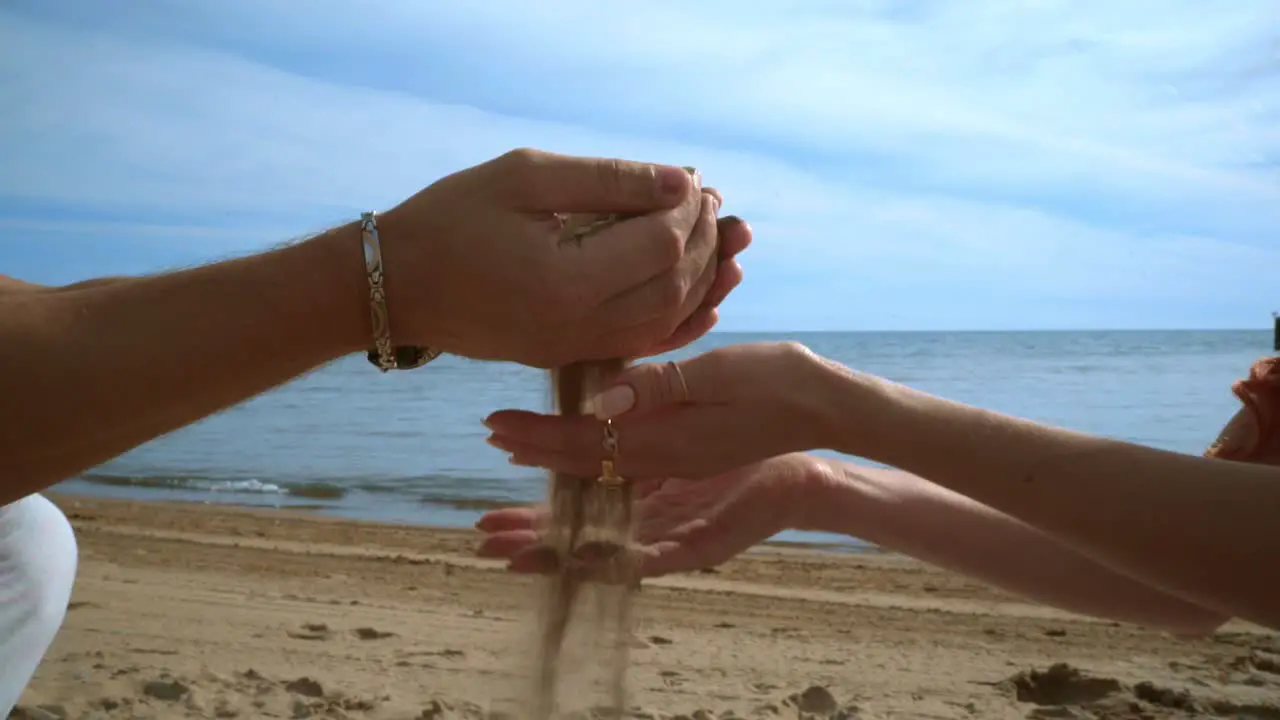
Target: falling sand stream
{"points": [[589, 528]]}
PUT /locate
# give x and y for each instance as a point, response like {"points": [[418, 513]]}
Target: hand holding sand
{"points": [[475, 266]]}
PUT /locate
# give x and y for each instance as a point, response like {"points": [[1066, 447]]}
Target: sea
{"points": [[408, 447]]}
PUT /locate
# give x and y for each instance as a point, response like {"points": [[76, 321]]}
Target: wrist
{"points": [[818, 484], [331, 268], [829, 499], [850, 412], [807, 481], [841, 498], [413, 279]]}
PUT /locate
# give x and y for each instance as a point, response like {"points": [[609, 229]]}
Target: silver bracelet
{"points": [[383, 354]]}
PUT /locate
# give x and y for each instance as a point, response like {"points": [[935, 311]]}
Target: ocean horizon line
{"points": [[984, 331]]}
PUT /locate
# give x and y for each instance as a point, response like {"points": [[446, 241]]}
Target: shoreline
{"points": [[71, 501], [452, 514]]}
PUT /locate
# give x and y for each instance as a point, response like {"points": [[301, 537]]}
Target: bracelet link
{"points": [[384, 355]]}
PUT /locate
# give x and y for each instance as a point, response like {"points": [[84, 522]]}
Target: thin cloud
{"points": [[1044, 152]]}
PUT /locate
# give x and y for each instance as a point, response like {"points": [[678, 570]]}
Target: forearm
{"points": [[1199, 529], [92, 371], [14, 285], [910, 515]]}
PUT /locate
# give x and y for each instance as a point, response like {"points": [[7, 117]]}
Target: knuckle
{"points": [[707, 214], [519, 157], [516, 169], [790, 349], [704, 280], [671, 292], [669, 246], [609, 177]]}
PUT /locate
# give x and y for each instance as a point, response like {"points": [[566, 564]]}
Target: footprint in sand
{"points": [[1061, 684], [40, 712], [1063, 691], [170, 690], [306, 687], [671, 678], [368, 633], [1258, 661], [815, 700], [311, 631]]}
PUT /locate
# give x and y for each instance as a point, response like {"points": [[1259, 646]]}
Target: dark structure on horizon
{"points": [[1275, 318]]}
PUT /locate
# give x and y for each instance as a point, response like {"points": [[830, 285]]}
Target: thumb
{"points": [[546, 182], [654, 385]]}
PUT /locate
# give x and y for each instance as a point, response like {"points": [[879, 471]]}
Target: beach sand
{"points": [[200, 611]]}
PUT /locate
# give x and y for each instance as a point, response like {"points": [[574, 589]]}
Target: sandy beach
{"points": [[200, 611]]}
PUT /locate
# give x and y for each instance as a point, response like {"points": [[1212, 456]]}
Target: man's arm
{"points": [[10, 285], [92, 370], [910, 515]]}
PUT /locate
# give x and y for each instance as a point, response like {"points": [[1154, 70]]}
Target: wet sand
{"points": [[200, 611]]}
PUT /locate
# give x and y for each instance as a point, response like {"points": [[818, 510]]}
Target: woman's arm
{"points": [[910, 515], [90, 370], [1196, 529], [1203, 530]]}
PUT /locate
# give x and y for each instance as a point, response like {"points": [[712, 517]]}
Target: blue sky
{"points": [[906, 164]]}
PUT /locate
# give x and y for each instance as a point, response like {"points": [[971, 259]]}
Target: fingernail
{"points": [[614, 401], [673, 181], [492, 440]]}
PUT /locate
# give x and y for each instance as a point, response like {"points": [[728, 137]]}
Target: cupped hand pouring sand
{"points": [[1091, 524], [476, 268]]}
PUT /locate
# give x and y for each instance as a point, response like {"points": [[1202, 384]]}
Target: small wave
{"points": [[379, 487], [312, 490], [469, 503]]}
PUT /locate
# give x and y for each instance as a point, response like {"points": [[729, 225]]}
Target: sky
{"points": [[905, 164]]}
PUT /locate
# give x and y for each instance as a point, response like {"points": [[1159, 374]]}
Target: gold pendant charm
{"points": [[609, 476]]}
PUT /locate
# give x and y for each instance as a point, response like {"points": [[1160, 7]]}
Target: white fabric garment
{"points": [[38, 560]]}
